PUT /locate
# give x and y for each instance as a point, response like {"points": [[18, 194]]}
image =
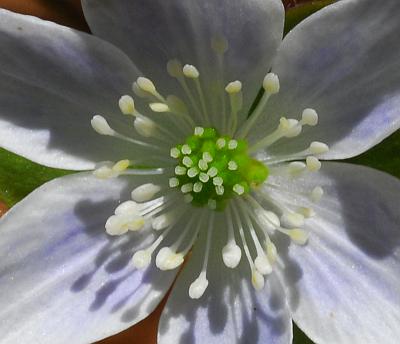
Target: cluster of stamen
{"points": [[212, 169]]}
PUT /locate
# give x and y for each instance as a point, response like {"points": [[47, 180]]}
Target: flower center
{"points": [[212, 168]]}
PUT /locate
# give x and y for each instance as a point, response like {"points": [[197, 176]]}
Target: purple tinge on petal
{"points": [[230, 311], [62, 278], [344, 285]]}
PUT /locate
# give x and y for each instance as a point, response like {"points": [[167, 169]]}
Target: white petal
{"points": [[343, 62], [345, 283], [154, 32], [53, 80], [62, 279], [230, 311]]}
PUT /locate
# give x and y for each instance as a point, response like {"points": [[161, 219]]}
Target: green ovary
{"points": [[213, 168]]}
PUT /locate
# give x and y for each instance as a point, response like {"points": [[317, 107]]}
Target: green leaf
{"points": [[19, 176], [385, 156], [297, 14]]}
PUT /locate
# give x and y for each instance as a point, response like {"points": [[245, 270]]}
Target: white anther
{"points": [[146, 85], [309, 117], [267, 219], [141, 259], [296, 167], [306, 212], [193, 172], [128, 208], [159, 107], [232, 144], [231, 255], [173, 182], [212, 172], [145, 192], [292, 220], [198, 287], [271, 252], [313, 164], [175, 153], [217, 181], [127, 105], [219, 44], [199, 131], [180, 170], [104, 172], [167, 259], [271, 83], [197, 187], [174, 68], [232, 165], [239, 189], [318, 147], [219, 189], [298, 236], [190, 71], [257, 279], [120, 223], [203, 165], [221, 143], [138, 91], [316, 194], [290, 127], [101, 126], [233, 87], [207, 157], [145, 126], [187, 161], [204, 177], [186, 149], [263, 265], [212, 204], [186, 188], [121, 166], [163, 221], [115, 226], [188, 198]]}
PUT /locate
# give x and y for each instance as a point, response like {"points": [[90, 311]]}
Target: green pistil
{"points": [[212, 159]]}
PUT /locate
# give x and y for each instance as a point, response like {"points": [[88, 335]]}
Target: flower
{"points": [[319, 246]]}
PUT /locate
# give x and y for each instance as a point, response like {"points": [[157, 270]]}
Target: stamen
{"points": [[316, 194], [145, 126], [261, 262], [159, 107], [309, 117], [147, 86], [198, 287], [110, 170], [313, 164], [287, 128], [231, 253], [257, 278], [271, 86], [127, 218], [145, 192], [142, 258], [127, 105], [191, 72], [101, 126]]}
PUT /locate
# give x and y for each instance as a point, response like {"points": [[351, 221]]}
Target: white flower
{"points": [[269, 233]]}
